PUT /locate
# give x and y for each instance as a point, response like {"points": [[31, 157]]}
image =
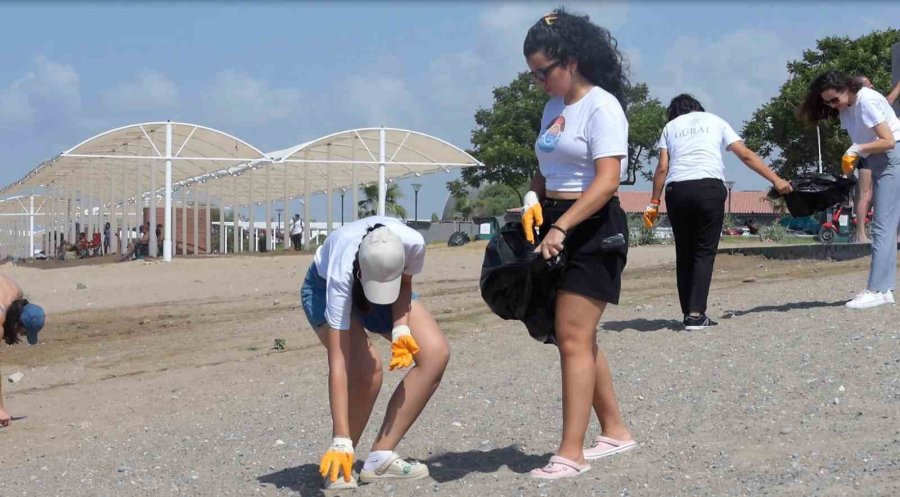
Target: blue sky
{"points": [[278, 74]]}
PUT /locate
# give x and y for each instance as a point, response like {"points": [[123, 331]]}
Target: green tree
{"points": [[496, 198], [462, 206], [774, 131], [504, 135], [646, 119], [369, 205]]}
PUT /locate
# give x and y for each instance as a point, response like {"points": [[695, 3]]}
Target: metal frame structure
{"points": [[107, 174]]}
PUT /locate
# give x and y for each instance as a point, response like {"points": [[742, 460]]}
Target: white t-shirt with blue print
{"points": [[574, 136]]}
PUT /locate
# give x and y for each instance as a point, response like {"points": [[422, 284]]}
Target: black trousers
{"points": [[297, 241], [696, 211]]}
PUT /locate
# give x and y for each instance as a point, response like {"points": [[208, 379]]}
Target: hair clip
{"points": [[549, 19]]}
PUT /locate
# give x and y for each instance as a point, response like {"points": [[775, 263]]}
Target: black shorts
{"points": [[596, 250]]}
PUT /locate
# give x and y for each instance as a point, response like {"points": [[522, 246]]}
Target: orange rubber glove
{"points": [[338, 458], [532, 218], [848, 164], [651, 213], [403, 347]]}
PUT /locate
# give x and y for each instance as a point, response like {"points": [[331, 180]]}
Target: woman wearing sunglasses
{"points": [[874, 131], [581, 151]]}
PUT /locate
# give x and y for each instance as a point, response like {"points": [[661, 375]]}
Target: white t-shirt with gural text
{"points": [[869, 110], [574, 136], [334, 262], [695, 142]]}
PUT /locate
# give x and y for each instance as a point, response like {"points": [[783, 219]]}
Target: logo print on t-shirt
{"points": [[548, 140]]}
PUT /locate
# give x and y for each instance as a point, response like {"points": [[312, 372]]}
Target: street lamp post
{"points": [[279, 224], [729, 185], [416, 187], [343, 192]]}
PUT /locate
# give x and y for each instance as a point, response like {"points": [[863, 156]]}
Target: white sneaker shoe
{"points": [[868, 299]]}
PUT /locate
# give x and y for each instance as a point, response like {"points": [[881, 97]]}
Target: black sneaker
{"points": [[700, 322]]}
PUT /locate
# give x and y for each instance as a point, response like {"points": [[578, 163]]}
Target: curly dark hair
{"points": [[567, 37], [683, 104], [12, 327], [813, 107]]}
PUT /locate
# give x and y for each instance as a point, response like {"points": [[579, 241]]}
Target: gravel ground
{"points": [[161, 380]]}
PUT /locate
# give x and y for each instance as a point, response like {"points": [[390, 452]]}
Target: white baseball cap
{"points": [[381, 262]]}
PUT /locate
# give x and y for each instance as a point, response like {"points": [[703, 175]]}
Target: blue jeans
{"points": [[886, 180], [313, 299]]}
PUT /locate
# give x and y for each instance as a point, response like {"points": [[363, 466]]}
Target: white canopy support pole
{"points": [[31, 226], [196, 237], [208, 222], [138, 201], [123, 242], [113, 215], [89, 202], [68, 212], [167, 229], [382, 186], [223, 232], [234, 217], [354, 182], [101, 205], [251, 215], [285, 232], [329, 199], [184, 221], [307, 231], [154, 243], [268, 207]]}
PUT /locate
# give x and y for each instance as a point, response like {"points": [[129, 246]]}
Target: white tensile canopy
{"points": [[115, 174]]}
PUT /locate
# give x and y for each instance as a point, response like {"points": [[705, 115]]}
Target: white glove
{"points": [[856, 151]]}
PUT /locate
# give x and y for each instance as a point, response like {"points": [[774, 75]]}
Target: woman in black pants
{"points": [[691, 169]]}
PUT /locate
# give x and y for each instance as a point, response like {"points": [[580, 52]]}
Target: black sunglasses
{"points": [[541, 73]]}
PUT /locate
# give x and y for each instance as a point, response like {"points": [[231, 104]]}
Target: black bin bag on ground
{"points": [[816, 192], [517, 283]]}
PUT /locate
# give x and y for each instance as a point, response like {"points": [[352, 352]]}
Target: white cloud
{"points": [[381, 101], [15, 109], [48, 89], [234, 98], [731, 75], [151, 90]]}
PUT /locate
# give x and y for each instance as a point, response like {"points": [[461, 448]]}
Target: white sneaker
{"points": [[869, 298]]}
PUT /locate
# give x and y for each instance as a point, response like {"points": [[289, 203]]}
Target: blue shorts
{"points": [[312, 299]]}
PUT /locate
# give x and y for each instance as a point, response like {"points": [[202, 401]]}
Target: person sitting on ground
{"points": [[361, 279], [19, 317], [137, 247]]}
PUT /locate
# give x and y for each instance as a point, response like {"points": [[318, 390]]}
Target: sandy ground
{"points": [[161, 379]]}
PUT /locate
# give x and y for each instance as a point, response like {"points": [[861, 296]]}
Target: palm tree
{"points": [[369, 206]]}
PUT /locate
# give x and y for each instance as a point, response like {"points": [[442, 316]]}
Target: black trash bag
{"points": [[458, 239], [816, 192], [517, 283]]}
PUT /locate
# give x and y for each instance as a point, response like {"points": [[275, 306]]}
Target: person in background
{"points": [[692, 171], [297, 232], [864, 188], [107, 234], [874, 131], [19, 317]]}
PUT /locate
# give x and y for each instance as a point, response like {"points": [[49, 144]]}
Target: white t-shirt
{"points": [[297, 227], [576, 135], [870, 110], [695, 142], [334, 262]]}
